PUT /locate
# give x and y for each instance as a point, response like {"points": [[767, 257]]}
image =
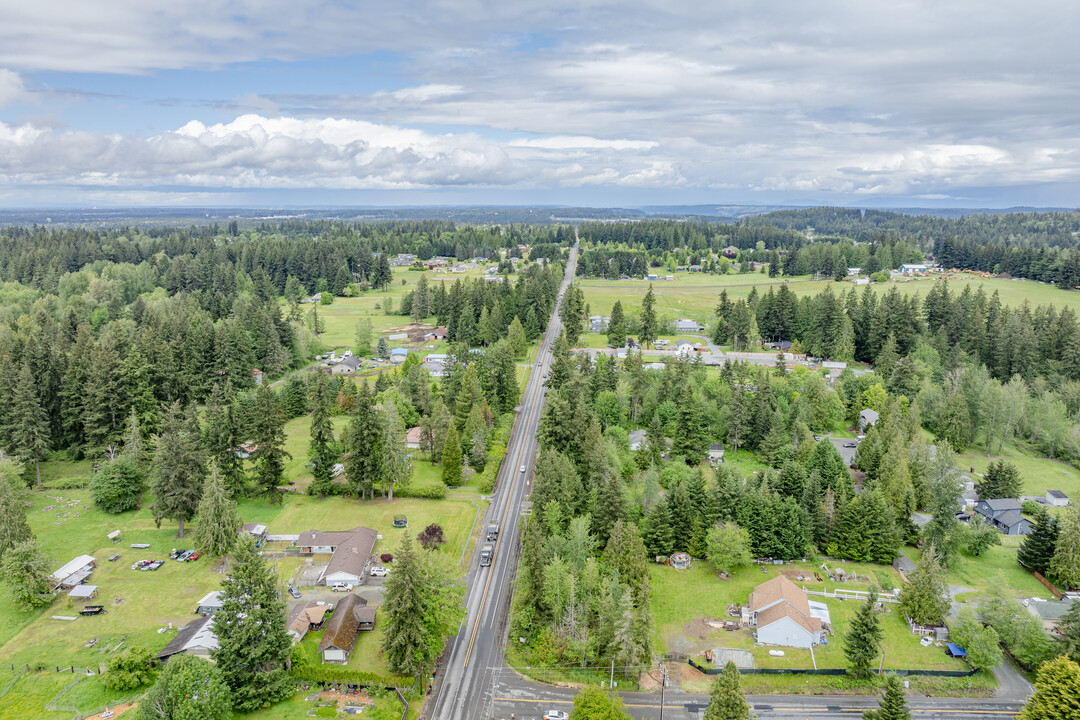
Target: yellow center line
{"points": [[940, 711], [502, 523]]}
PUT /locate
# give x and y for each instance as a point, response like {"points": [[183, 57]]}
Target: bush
{"points": [[129, 670], [879, 277], [386, 557], [317, 672], [117, 485], [1030, 507], [427, 492], [431, 537]]}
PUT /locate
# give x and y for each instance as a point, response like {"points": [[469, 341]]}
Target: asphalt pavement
{"points": [[464, 687]]}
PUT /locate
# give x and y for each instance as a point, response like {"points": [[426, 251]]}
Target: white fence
{"points": [[843, 594]]}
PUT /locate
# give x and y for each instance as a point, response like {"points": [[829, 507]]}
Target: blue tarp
{"points": [[955, 650]]}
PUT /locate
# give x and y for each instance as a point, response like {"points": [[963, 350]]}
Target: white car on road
{"points": [[556, 715], [522, 468]]}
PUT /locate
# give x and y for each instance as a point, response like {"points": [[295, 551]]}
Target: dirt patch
{"points": [[346, 698], [117, 601], [800, 576], [115, 710], [699, 628], [688, 673], [650, 681], [189, 591]]}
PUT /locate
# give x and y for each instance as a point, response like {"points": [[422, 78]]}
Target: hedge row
{"points": [[336, 674]]}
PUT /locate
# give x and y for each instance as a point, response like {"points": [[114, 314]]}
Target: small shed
{"points": [[1056, 498], [83, 592], [716, 451]]}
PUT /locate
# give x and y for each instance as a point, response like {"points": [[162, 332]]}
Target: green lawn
{"points": [[1038, 474], [694, 295]]}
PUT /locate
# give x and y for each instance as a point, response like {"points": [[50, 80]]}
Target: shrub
{"points": [[129, 670], [879, 277], [431, 537], [117, 485], [427, 492], [386, 557], [1030, 507]]}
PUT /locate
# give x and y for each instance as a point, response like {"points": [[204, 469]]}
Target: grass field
{"points": [[141, 603], [694, 295], [1038, 474]]}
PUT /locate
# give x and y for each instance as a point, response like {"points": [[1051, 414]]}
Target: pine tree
{"points": [[610, 507], [216, 531], [616, 330], [403, 610], [519, 343], [25, 570], [649, 323], [656, 530], [220, 438], [926, 598], [30, 424], [1065, 565], [625, 552], [1057, 692], [1037, 549], [363, 441], [625, 649], [14, 528], [1002, 480], [726, 699], [141, 392], [362, 337], [691, 440], [383, 348], [321, 448], [254, 648], [178, 468], [269, 435], [451, 458], [863, 639], [892, 705], [397, 462], [592, 703]]}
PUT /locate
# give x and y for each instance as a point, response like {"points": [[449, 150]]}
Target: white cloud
{"points": [[12, 87]]}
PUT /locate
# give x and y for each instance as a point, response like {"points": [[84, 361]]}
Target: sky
{"points": [[969, 103]]}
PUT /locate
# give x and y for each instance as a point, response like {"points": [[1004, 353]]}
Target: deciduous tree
{"points": [[25, 571], [188, 688]]}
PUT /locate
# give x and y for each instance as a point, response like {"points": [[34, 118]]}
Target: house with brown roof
{"points": [[783, 615], [351, 550], [341, 630], [303, 618], [413, 437]]}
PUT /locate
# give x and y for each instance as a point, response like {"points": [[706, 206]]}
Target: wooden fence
{"points": [[1049, 586]]}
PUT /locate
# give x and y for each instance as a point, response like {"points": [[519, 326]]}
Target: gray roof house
{"points": [[210, 603], [196, 638], [637, 439], [991, 509], [867, 418], [685, 325], [716, 451], [348, 364], [1011, 522]]}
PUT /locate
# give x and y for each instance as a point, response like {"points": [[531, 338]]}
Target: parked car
{"points": [[378, 571], [194, 556], [341, 587], [294, 591], [185, 556], [154, 565], [141, 564], [556, 715], [176, 553], [851, 445], [400, 521]]}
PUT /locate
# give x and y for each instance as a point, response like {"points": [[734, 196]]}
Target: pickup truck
{"points": [[486, 553], [493, 532]]}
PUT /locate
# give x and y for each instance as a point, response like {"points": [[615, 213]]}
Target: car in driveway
{"points": [[378, 571], [851, 445], [556, 715], [294, 591], [341, 587]]}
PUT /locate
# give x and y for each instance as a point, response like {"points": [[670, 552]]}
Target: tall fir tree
{"points": [[30, 426], [178, 468], [253, 647], [893, 705], [649, 324], [726, 699], [451, 457], [863, 639], [1037, 549], [1065, 565], [616, 330], [363, 441], [926, 598], [269, 434], [221, 438], [321, 448], [218, 523], [14, 528], [403, 609], [1057, 692]]}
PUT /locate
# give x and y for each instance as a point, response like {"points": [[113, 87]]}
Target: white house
{"points": [[351, 550], [398, 355], [1056, 498], [684, 349], [637, 439], [854, 272], [347, 365], [783, 615]]}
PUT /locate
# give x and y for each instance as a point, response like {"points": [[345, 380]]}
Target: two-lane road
{"points": [[467, 683]]}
